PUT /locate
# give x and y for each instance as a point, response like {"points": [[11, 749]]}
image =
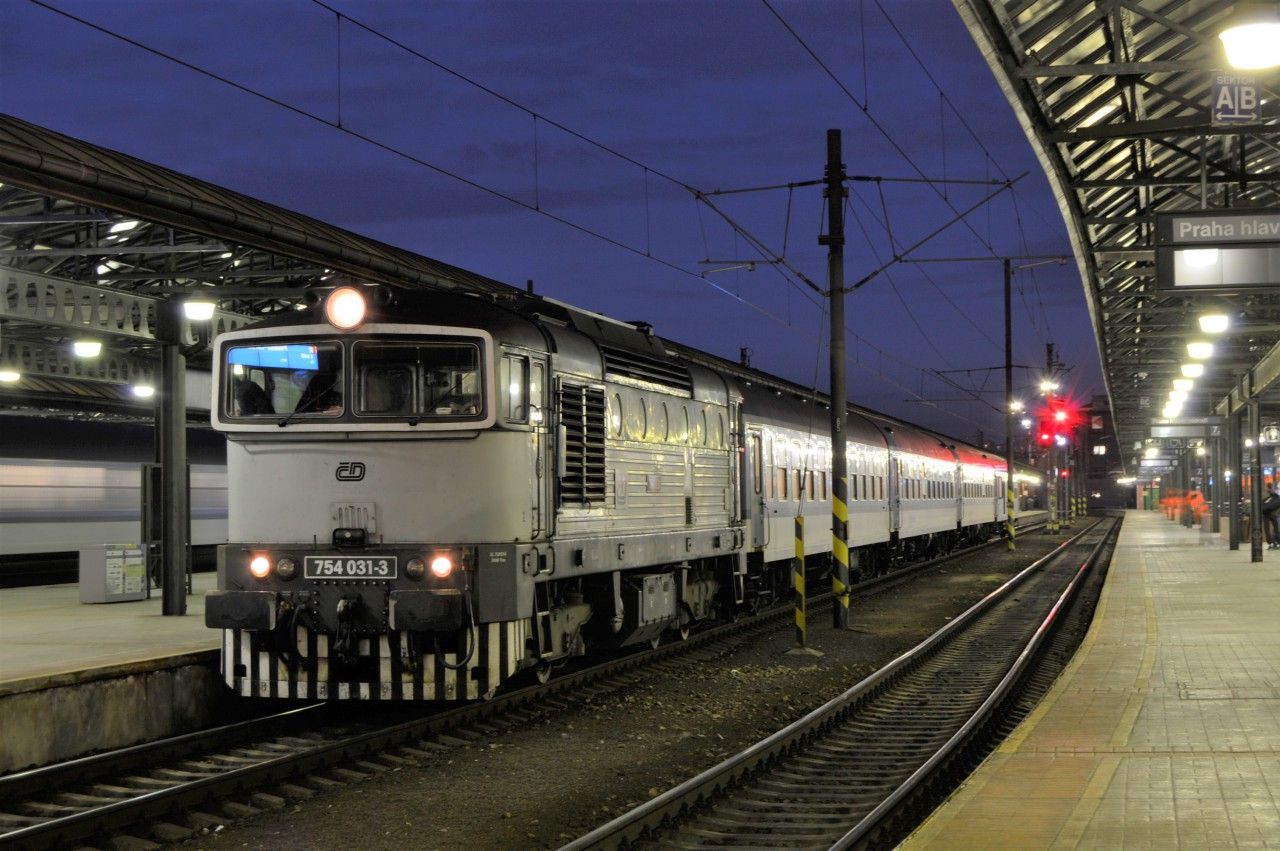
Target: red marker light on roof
{"points": [[345, 308]]}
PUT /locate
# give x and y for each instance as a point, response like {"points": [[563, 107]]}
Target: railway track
{"points": [[169, 790], [862, 769]]}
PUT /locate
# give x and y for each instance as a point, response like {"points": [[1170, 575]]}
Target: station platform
{"points": [[1163, 731], [78, 677]]}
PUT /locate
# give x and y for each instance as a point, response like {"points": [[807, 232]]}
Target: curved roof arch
{"points": [[1113, 96]]}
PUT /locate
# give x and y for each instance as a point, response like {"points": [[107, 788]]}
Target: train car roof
{"points": [[784, 409], [909, 438], [970, 455]]}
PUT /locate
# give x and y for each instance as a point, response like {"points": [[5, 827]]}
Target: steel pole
{"points": [[1255, 481], [1010, 499], [834, 240], [173, 458], [1234, 463]]}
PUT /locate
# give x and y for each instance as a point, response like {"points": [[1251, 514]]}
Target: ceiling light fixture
{"points": [[1200, 349], [1183, 384], [1214, 323], [1251, 34], [1192, 370]]}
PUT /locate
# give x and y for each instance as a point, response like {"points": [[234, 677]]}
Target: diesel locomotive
{"points": [[431, 492]]}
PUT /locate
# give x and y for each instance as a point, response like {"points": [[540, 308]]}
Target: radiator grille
{"points": [[619, 363], [582, 414]]}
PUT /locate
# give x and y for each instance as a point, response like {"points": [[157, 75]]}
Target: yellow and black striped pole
{"points": [[835, 192], [840, 552], [797, 582], [802, 596]]}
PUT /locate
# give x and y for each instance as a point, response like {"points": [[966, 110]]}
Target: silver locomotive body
{"points": [[453, 489]]}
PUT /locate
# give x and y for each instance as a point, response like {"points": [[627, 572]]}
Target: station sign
{"points": [[1218, 250], [1236, 99]]}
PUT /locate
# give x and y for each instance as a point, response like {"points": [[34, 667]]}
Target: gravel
{"points": [[570, 771]]}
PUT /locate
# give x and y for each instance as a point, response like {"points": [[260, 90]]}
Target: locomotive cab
{"points": [[386, 481]]}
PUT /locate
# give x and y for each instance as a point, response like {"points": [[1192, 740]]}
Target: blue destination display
{"points": [[291, 356]]}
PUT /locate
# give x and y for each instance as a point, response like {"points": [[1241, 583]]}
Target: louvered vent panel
{"points": [[582, 413], [624, 364]]}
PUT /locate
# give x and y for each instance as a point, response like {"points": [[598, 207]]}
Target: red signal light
{"points": [[1066, 474]]}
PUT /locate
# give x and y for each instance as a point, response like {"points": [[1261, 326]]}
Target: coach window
{"points": [[662, 428], [782, 483], [757, 467], [682, 424]]}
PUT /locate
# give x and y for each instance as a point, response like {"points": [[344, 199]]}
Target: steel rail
{"points": [[981, 717], [151, 805], [631, 826]]}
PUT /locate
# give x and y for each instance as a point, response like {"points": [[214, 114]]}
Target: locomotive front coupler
{"points": [[344, 647]]}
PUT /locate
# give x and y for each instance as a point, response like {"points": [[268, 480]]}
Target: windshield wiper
{"points": [[310, 403]]}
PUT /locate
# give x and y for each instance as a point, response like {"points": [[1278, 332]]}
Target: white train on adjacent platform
{"points": [[429, 495]]}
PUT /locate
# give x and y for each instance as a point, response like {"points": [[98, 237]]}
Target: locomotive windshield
{"points": [[418, 381], [290, 380], [422, 380]]}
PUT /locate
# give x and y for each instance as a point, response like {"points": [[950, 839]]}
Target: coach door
{"points": [[753, 488]]}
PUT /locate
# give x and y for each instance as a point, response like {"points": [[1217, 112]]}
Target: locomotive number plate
{"points": [[349, 567]]}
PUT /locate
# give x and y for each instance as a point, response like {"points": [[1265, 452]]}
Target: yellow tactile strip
{"points": [[1163, 732]]}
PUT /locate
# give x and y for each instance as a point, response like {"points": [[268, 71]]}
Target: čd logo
{"points": [[350, 471]]}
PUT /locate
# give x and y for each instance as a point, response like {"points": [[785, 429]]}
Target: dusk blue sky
{"points": [[715, 94]]}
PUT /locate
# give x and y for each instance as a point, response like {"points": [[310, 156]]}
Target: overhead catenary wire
{"points": [[879, 127], [419, 161]]}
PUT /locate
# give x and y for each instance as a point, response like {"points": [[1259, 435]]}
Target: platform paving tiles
{"points": [[46, 631], [1164, 731]]}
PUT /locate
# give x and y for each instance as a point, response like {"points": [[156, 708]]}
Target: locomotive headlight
{"points": [[260, 566], [345, 308], [286, 568], [415, 569], [441, 567]]}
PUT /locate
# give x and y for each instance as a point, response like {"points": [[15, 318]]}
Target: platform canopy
{"points": [[91, 240], [1118, 100]]}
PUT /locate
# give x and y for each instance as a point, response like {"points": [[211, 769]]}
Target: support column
{"points": [[175, 547], [1216, 484], [1255, 481], [1236, 465]]}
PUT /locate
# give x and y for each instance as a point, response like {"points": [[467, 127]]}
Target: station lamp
{"points": [[198, 309], [1200, 349], [1251, 35], [144, 391], [1192, 370], [1015, 406], [1183, 384], [8, 376], [1214, 323], [86, 348]]}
